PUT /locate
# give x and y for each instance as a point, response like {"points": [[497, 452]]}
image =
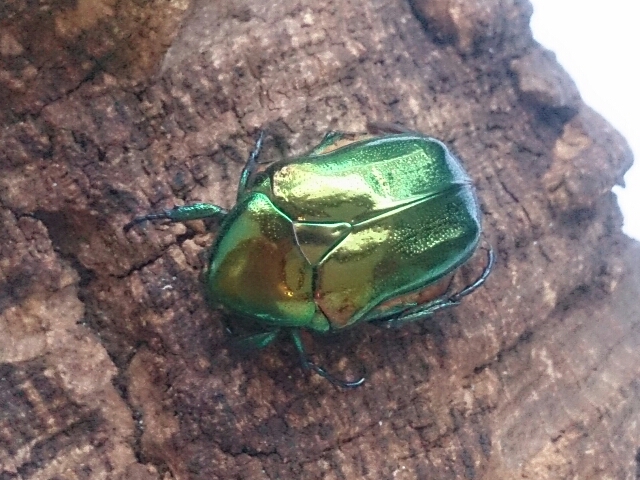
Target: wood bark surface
{"points": [[112, 366]]}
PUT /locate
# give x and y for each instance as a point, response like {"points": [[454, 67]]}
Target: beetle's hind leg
{"points": [[309, 365], [491, 260], [423, 311], [196, 211]]}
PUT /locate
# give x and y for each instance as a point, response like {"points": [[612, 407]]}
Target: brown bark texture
{"points": [[113, 366]]}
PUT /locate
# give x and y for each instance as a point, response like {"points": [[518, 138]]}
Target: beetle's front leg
{"points": [[330, 139], [333, 140], [378, 128], [250, 167], [196, 211]]}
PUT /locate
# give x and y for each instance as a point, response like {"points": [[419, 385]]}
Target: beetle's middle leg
{"points": [[256, 341], [309, 365]]}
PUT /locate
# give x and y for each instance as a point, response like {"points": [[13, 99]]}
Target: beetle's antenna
{"points": [[308, 364]]}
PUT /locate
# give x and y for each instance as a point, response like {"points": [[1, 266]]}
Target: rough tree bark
{"points": [[111, 364]]}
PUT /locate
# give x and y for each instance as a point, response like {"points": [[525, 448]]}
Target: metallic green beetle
{"points": [[357, 230]]}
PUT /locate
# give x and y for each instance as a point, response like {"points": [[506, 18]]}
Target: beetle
{"points": [[362, 228]]}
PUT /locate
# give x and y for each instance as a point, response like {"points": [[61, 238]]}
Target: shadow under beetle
{"points": [[360, 229]]}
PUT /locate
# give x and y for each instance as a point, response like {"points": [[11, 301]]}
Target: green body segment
{"points": [[322, 241], [257, 268]]}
